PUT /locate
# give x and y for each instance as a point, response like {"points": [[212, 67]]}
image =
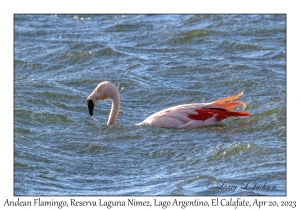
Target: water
{"points": [[156, 61]]}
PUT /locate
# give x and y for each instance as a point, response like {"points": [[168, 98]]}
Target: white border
{"points": [[9, 8]]}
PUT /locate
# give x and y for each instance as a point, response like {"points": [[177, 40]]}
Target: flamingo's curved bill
{"points": [[91, 106]]}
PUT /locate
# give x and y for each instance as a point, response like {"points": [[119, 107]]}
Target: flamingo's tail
{"points": [[229, 114], [228, 103], [221, 109]]}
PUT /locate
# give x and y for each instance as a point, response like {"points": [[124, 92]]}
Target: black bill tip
{"points": [[91, 106]]}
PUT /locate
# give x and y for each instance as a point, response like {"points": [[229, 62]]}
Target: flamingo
{"points": [[182, 116]]}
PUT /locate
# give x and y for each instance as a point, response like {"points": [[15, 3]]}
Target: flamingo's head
{"points": [[105, 90]]}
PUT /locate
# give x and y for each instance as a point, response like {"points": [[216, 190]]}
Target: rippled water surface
{"points": [[156, 61]]}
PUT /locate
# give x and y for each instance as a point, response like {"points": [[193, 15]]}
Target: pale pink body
{"points": [[182, 116], [177, 117]]}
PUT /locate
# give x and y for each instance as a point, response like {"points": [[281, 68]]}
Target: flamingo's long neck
{"points": [[115, 108], [106, 90]]}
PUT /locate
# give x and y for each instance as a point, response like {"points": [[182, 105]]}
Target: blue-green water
{"points": [[156, 61]]}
